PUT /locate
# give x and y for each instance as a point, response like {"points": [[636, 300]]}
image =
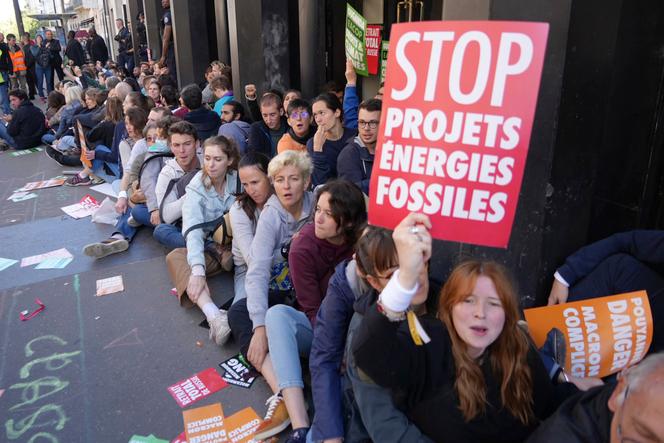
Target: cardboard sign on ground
{"points": [[84, 208], [455, 127], [238, 372], [205, 424], [603, 335], [43, 184], [240, 427], [196, 387], [36, 259], [110, 285]]}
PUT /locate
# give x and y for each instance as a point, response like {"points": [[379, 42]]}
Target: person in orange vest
{"points": [[18, 79]]}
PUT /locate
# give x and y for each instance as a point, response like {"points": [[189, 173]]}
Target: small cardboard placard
{"points": [[36, 259], [238, 373], [149, 439], [356, 30], [110, 285], [240, 427], [84, 208], [196, 387], [372, 41], [603, 335], [42, 184], [205, 424]]}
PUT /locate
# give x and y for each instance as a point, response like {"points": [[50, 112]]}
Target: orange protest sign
{"points": [[205, 424], [603, 335], [84, 145], [240, 427]]}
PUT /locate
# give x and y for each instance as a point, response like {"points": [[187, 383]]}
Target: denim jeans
{"points": [[100, 171], [4, 93], [48, 138], [289, 336], [140, 213], [43, 75], [67, 143], [169, 236], [6, 137]]}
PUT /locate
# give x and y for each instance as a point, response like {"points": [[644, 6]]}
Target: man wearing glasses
{"points": [[630, 410], [356, 159]]}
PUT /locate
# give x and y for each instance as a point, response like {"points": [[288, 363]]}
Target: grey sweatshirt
{"points": [[275, 227]]}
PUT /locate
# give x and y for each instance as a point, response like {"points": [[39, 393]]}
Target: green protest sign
{"points": [[356, 29], [385, 45]]}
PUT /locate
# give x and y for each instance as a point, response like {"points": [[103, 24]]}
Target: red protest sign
{"points": [[455, 128], [372, 42], [192, 389]]}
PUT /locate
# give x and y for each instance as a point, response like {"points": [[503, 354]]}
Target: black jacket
{"points": [[5, 60], [54, 49], [98, 50], [260, 139], [124, 40], [75, 52], [206, 122], [584, 417], [27, 126]]}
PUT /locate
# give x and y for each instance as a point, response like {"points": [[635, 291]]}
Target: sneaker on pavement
{"points": [[276, 419], [76, 180], [106, 247], [4, 145], [96, 180], [220, 330], [298, 435], [131, 221], [54, 154]]}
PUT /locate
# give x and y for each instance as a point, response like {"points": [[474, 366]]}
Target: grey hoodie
{"points": [[237, 130], [275, 227]]}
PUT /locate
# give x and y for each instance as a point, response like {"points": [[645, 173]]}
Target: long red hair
{"points": [[508, 353]]}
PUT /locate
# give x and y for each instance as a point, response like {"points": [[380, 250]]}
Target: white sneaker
{"points": [[220, 330]]}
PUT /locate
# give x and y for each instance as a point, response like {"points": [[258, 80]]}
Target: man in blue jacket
{"points": [[207, 122], [355, 161], [264, 135]]}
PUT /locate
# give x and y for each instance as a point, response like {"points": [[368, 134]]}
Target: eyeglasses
{"points": [[297, 115], [373, 124]]}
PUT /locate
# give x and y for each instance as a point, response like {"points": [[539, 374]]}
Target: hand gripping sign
{"points": [[455, 127], [603, 335]]}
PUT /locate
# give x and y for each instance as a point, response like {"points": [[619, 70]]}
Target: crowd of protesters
{"points": [[276, 193]]}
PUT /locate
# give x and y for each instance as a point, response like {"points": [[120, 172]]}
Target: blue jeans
{"points": [[289, 336], [43, 74], [4, 93], [67, 143], [140, 213], [100, 171], [6, 137], [169, 236]]}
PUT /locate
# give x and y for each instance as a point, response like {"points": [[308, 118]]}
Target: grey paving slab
{"points": [[96, 369]]}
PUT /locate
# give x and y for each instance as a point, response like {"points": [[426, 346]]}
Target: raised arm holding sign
{"points": [[457, 117]]}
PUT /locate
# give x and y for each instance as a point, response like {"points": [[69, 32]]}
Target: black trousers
{"points": [[621, 273], [31, 79]]}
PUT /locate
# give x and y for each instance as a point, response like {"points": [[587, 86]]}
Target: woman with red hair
{"points": [[471, 374]]}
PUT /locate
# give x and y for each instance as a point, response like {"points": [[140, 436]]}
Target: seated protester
{"points": [[206, 122], [245, 212], [145, 84], [100, 135], [209, 196], [478, 378], [221, 87], [169, 97], [299, 127], [206, 89], [73, 104], [90, 117], [154, 92], [234, 125], [355, 161], [267, 282], [369, 411], [266, 133], [627, 411], [624, 262], [107, 162], [289, 96], [339, 218], [55, 104], [174, 176], [158, 113], [131, 217], [335, 88], [26, 124], [330, 137], [68, 144]]}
